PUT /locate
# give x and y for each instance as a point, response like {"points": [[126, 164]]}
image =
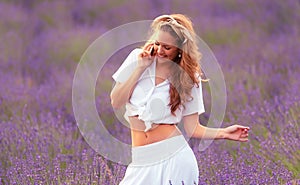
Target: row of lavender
{"points": [[256, 45]]}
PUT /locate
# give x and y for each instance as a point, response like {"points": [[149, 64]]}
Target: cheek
{"points": [[172, 55]]}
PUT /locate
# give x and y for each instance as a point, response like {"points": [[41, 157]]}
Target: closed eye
{"points": [[167, 47]]}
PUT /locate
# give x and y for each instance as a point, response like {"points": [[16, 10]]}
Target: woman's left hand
{"points": [[236, 133]]}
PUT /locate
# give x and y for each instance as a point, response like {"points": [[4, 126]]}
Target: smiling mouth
{"points": [[161, 56]]}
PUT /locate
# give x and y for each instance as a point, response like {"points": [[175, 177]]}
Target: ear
{"points": [[179, 51]]}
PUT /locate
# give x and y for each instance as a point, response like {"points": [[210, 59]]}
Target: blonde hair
{"points": [[187, 74]]}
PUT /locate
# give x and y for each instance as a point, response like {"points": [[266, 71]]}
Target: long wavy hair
{"points": [[186, 72]]}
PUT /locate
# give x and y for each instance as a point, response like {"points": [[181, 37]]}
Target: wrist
{"points": [[140, 68], [222, 134]]}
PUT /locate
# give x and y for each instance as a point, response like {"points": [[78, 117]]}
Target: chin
{"points": [[163, 59]]}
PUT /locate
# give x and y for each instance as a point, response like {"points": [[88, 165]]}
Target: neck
{"points": [[163, 64], [163, 69]]}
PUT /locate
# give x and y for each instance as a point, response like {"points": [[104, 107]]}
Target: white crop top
{"points": [[150, 101]]}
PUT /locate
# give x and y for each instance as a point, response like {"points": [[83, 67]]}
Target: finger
{"points": [[245, 131], [148, 46], [243, 139], [243, 128], [244, 135], [145, 54]]}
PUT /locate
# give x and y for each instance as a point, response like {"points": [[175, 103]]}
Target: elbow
{"points": [[115, 105], [117, 101], [190, 134], [113, 102], [194, 131]]}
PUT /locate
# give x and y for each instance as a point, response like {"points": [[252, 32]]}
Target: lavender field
{"points": [[257, 44]]}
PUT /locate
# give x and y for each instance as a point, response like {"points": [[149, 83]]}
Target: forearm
{"points": [[121, 93], [203, 132]]}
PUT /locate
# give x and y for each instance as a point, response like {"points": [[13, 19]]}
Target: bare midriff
{"points": [[158, 132]]}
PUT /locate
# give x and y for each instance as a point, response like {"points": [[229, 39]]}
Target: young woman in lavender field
{"points": [[160, 85]]}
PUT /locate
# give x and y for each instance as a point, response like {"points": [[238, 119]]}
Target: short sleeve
{"points": [[127, 67], [196, 104]]}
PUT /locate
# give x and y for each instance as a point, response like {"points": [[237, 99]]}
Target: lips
{"points": [[161, 56]]}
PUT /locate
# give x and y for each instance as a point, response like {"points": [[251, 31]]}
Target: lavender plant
{"points": [[256, 44]]}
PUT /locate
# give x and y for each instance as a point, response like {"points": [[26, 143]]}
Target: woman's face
{"points": [[165, 46]]}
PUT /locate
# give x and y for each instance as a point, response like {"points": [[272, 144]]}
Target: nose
{"points": [[160, 50]]}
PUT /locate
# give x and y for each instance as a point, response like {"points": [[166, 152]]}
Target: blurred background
{"points": [[41, 42]]}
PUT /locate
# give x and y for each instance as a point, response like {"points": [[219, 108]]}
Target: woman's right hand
{"points": [[145, 58]]}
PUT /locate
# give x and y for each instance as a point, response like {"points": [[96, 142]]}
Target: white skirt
{"points": [[167, 162]]}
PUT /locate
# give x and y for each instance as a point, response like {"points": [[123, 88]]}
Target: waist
{"points": [[157, 133]]}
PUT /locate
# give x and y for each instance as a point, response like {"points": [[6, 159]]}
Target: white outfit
{"points": [[150, 102], [170, 161]]}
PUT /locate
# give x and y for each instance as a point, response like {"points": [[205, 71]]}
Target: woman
{"points": [[160, 85]]}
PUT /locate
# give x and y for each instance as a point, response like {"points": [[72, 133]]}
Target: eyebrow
{"points": [[164, 44]]}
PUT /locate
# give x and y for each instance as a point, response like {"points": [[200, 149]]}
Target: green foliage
{"points": [[222, 36]]}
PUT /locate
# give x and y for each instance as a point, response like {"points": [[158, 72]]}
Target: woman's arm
{"points": [[122, 91], [194, 129]]}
